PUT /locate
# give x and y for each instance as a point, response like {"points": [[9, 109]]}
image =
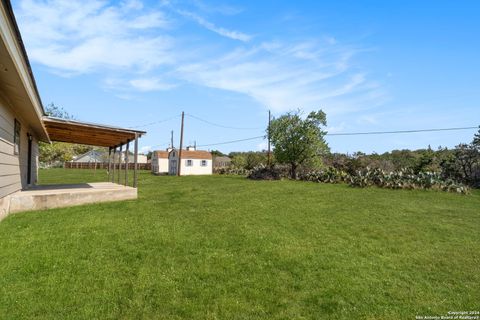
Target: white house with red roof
{"points": [[193, 162]]}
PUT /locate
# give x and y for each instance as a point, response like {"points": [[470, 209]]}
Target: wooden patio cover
{"points": [[88, 133]]}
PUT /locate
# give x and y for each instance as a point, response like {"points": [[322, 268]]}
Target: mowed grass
{"points": [[219, 247]]}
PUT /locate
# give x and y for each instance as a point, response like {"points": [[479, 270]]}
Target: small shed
{"points": [[160, 161]]}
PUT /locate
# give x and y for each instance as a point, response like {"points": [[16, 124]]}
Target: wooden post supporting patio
{"points": [[114, 165], [135, 161], [126, 162], [119, 163], [109, 162]]}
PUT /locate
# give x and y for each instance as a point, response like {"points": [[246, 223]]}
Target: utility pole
{"points": [[269, 161], [171, 140], [181, 146]]}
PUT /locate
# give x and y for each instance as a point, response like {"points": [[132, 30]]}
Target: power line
{"points": [[156, 122], [220, 125], [349, 134], [232, 141], [398, 131]]}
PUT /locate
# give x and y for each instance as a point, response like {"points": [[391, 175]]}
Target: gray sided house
{"points": [[23, 124], [221, 162], [92, 156], [21, 110]]}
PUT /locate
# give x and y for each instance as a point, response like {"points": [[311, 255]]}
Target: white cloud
{"points": [[132, 5], [83, 37], [232, 34], [305, 75], [138, 49], [150, 84], [223, 9]]}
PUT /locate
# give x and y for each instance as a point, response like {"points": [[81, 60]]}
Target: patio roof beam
{"points": [[88, 133]]}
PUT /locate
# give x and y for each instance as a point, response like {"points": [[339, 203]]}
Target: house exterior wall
{"points": [[195, 169], [14, 167], [141, 158], [159, 165]]}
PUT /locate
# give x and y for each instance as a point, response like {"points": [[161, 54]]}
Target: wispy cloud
{"points": [[150, 84], [83, 37], [139, 49], [284, 76], [235, 35], [223, 9]]}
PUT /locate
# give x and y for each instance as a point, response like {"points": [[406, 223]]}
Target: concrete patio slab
{"points": [[58, 196]]}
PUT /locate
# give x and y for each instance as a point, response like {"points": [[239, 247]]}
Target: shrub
{"points": [[400, 179], [405, 179], [263, 172], [327, 175], [233, 171]]}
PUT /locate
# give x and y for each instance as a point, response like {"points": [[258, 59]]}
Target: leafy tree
{"points": [[298, 141], [248, 160], [217, 153], [254, 159], [239, 161], [426, 161], [53, 110], [463, 163], [476, 140]]}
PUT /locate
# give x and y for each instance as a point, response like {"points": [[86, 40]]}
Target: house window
{"points": [[204, 163], [189, 163], [16, 137]]}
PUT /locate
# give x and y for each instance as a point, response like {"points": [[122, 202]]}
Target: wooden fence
{"points": [[103, 165]]}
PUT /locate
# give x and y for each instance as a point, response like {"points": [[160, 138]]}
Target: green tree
{"points": [[239, 161], [254, 159], [53, 110], [298, 141], [217, 153], [476, 140]]}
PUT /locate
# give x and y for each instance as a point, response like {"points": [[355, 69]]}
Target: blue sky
{"points": [[370, 65]]}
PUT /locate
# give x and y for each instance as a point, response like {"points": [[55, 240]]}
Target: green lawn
{"points": [[228, 248]]}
